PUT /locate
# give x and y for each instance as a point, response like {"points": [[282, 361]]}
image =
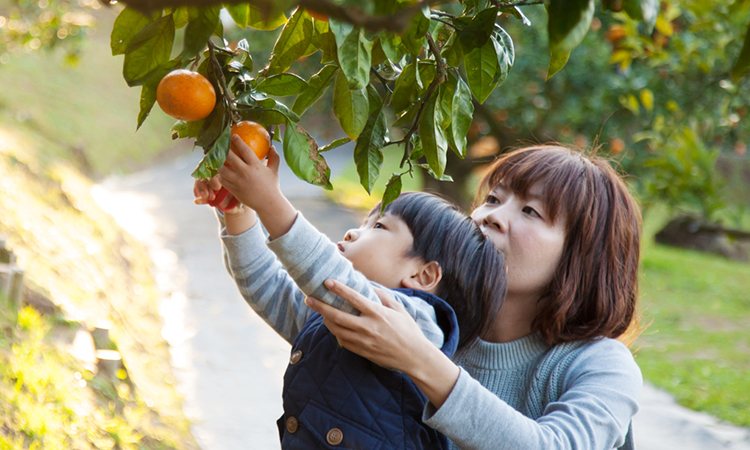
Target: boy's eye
{"points": [[378, 225], [491, 199], [531, 211]]}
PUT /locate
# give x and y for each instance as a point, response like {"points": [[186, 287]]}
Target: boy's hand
{"points": [[253, 183], [205, 190], [257, 185]]}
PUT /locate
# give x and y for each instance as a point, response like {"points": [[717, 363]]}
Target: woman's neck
{"points": [[513, 321]]}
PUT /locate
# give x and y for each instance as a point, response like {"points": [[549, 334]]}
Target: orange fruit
{"points": [[255, 136], [317, 15], [186, 95]]}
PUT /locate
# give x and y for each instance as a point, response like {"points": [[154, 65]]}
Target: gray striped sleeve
{"points": [[263, 281], [310, 259]]}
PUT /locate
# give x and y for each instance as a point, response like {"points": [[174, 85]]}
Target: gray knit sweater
{"points": [[525, 395]]}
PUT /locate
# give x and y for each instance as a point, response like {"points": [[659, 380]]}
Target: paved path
{"points": [[229, 364]]}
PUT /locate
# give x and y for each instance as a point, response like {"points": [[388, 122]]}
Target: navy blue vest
{"points": [[335, 399]]}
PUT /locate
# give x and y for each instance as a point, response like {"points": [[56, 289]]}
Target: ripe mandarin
{"points": [[186, 95], [255, 136]]}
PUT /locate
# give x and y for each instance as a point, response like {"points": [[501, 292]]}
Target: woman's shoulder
{"points": [[608, 358]]}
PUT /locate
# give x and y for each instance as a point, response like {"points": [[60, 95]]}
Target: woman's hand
{"points": [[388, 336]]}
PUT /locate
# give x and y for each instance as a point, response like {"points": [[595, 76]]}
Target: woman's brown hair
{"points": [[594, 290]]}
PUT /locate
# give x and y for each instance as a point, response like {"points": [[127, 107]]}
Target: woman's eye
{"points": [[531, 211]]}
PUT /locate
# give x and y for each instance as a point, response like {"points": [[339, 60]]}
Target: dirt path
{"points": [[229, 364]]}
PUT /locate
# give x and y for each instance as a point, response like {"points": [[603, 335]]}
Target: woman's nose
{"points": [[496, 218]]}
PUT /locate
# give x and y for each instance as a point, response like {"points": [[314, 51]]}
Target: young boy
{"points": [[422, 248]]}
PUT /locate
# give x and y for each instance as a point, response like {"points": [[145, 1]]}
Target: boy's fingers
{"points": [[273, 159], [243, 150], [214, 184]]}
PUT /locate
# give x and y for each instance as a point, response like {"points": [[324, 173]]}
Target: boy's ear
{"points": [[427, 278]]}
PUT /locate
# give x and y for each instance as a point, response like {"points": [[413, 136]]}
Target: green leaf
{"points": [[354, 53], [392, 191], [335, 144], [481, 68], [393, 47], [148, 91], [214, 158], [452, 51], [477, 32], [264, 117], [200, 27], [292, 43], [282, 84], [406, 92], [645, 10], [368, 153], [248, 15], [182, 129], [462, 110], [316, 87], [569, 21], [506, 54], [446, 92], [444, 177], [213, 125], [743, 61], [350, 107], [302, 156], [181, 17], [414, 37], [558, 59], [148, 50], [127, 24], [434, 142]]}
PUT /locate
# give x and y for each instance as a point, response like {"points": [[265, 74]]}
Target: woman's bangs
{"points": [[557, 171]]}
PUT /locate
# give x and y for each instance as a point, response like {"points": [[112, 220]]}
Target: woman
{"points": [[550, 373]]}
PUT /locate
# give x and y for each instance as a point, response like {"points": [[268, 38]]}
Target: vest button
{"points": [[292, 424], [334, 436], [296, 356]]}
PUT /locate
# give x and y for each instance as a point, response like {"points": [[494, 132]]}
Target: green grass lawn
{"points": [[695, 341]]}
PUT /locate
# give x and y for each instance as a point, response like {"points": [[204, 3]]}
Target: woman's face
{"points": [[522, 230]]}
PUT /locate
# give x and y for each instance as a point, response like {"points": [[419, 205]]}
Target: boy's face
{"points": [[378, 249]]}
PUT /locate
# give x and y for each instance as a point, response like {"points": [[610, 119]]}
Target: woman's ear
{"points": [[426, 278]]}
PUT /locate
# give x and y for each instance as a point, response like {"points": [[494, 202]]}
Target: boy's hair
{"points": [[595, 287], [473, 281]]}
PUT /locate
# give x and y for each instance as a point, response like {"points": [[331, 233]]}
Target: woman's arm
{"points": [[599, 390], [388, 336]]}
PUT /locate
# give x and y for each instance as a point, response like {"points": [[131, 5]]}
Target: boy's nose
{"points": [[350, 235]]}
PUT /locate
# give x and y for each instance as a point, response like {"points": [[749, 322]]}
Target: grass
{"points": [[88, 110], [696, 337], [58, 127]]}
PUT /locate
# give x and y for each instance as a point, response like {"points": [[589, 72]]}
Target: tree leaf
{"points": [[392, 191], [200, 27], [558, 59], [406, 92], [282, 85], [213, 125], [462, 111], [335, 144], [127, 24], [302, 156], [569, 21], [506, 54], [434, 143], [354, 53], [181, 17], [215, 157], [481, 68], [350, 107], [476, 33], [393, 47], [148, 91], [148, 50], [452, 51], [743, 61], [368, 153], [249, 15], [645, 10], [292, 43], [414, 37], [316, 87]]}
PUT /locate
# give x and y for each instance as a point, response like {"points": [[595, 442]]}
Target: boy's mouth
{"points": [[341, 247]]}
